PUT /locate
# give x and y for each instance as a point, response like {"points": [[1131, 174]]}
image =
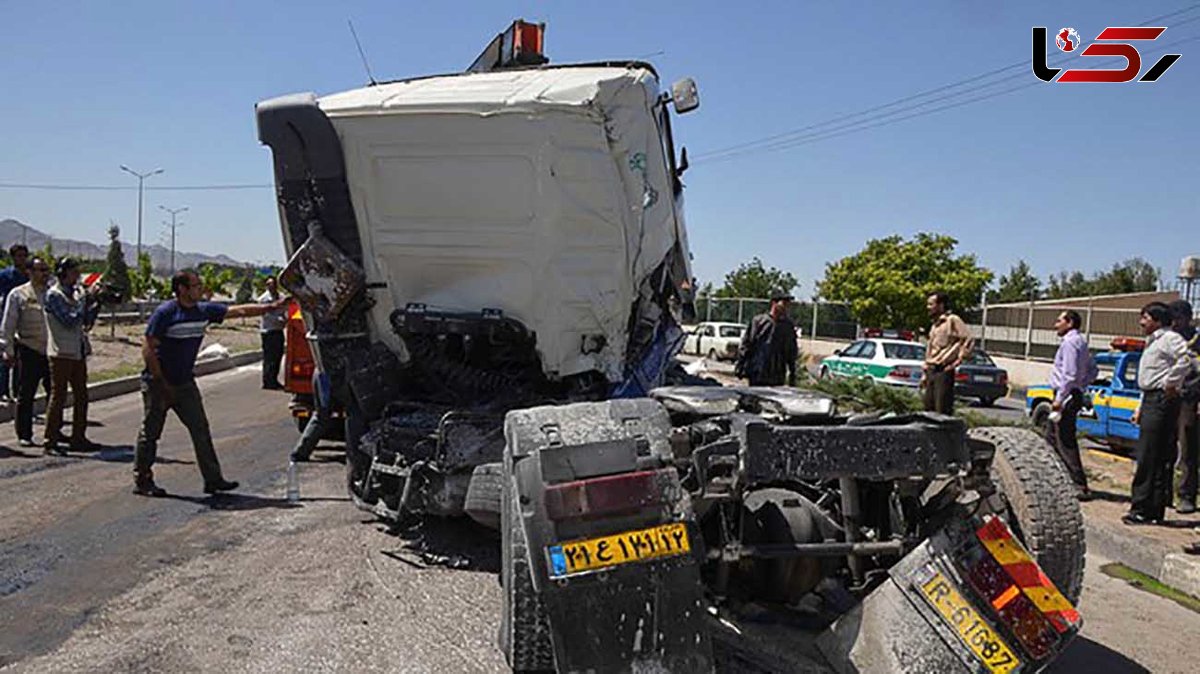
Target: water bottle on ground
{"points": [[293, 483]]}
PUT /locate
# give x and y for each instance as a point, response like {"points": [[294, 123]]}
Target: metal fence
{"points": [[1028, 331], [822, 320]]}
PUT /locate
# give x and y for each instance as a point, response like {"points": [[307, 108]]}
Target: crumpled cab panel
{"points": [[543, 193]]}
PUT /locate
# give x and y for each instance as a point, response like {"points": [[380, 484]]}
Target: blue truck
{"points": [[1114, 397]]}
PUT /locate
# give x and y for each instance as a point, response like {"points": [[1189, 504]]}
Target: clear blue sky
{"points": [[1064, 176]]}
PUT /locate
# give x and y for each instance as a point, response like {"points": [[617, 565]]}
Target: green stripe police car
{"points": [[886, 361]]}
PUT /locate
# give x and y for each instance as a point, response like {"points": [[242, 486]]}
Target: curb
{"points": [[1157, 560], [117, 387]]}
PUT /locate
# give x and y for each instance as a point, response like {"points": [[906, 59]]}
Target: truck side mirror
{"points": [[685, 95]]}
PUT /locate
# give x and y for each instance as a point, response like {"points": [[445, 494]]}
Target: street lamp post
{"points": [[141, 178], [173, 212]]}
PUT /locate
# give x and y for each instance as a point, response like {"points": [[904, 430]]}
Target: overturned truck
{"points": [[493, 269]]}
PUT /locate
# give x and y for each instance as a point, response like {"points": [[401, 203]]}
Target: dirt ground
{"points": [[117, 350]]}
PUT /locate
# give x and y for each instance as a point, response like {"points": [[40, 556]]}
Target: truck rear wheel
{"points": [[1042, 509], [485, 495], [524, 625]]}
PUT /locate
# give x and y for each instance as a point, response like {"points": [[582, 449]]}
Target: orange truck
{"points": [[298, 368]]}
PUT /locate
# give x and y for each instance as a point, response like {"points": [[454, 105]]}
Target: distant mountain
{"points": [[14, 231]]}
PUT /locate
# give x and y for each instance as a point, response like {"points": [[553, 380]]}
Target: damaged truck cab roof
{"points": [[546, 193]]}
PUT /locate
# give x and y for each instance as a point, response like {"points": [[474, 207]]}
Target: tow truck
{"points": [[1107, 415], [493, 268]]}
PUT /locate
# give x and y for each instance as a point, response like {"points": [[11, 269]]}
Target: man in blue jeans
{"points": [[172, 342]]}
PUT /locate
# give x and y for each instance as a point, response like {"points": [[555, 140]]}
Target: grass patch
{"points": [[118, 372], [1143, 582]]}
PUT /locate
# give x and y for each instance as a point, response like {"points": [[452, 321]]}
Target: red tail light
{"points": [[610, 494], [961, 376], [1003, 378], [904, 372], [303, 369]]}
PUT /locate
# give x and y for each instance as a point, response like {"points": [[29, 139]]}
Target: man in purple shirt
{"points": [[1074, 370]]}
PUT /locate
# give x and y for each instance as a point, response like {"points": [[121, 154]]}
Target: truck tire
{"points": [[1043, 510], [485, 494], [1040, 416], [524, 625]]}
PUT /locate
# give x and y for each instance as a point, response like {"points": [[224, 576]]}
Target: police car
{"points": [[895, 362], [1114, 397]]}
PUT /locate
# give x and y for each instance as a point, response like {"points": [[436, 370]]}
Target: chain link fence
{"points": [[822, 320]]}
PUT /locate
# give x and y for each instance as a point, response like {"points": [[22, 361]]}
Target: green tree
{"points": [[116, 272], [215, 278], [886, 283], [1130, 276], [1019, 284], [245, 291], [754, 279], [141, 280]]}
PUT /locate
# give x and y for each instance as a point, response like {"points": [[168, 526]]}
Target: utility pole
{"points": [[173, 212], [141, 179]]}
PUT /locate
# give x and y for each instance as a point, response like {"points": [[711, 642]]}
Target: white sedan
{"points": [[716, 341], [887, 361]]}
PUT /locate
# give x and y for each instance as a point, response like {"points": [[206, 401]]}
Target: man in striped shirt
{"points": [[172, 343]]}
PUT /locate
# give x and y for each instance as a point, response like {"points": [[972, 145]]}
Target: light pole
{"points": [[173, 212], [141, 178]]}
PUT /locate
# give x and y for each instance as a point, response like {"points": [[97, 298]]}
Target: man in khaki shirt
{"points": [[950, 343]]}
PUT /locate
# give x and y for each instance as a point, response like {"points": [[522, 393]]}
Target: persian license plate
{"points": [[982, 378], [958, 613], [590, 554]]}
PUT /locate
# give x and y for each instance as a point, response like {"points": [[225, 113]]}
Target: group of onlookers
{"points": [[44, 342], [44, 335]]}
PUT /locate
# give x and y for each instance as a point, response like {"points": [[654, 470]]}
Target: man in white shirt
{"points": [[1161, 371]]}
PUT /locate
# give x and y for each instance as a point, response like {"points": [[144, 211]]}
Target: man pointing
{"points": [[172, 342]]}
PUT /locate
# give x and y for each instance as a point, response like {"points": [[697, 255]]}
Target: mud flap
{"points": [[637, 616], [641, 617]]}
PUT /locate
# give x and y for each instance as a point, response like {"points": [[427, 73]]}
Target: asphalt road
{"points": [[93, 578]]}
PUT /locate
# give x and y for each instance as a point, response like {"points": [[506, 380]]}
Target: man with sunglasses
{"points": [[23, 331], [173, 338]]}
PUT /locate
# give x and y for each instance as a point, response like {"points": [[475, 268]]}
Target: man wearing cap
{"points": [[767, 355], [1189, 433], [68, 313], [950, 343]]}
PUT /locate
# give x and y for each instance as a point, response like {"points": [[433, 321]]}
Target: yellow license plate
{"points": [[983, 641], [590, 554]]}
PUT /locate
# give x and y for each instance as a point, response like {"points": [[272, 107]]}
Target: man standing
{"points": [[1074, 370], [950, 343], [68, 312], [1188, 432], [321, 417], [23, 330], [1164, 365], [173, 338], [767, 355], [271, 329], [10, 278]]}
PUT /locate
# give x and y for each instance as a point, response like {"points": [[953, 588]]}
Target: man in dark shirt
{"points": [[1188, 432], [11, 277], [172, 342], [767, 355]]}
